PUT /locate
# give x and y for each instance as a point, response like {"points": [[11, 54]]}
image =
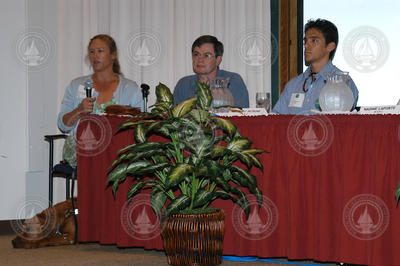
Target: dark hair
{"points": [[218, 46], [329, 31], [113, 49]]}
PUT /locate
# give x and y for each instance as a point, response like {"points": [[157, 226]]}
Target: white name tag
{"points": [[385, 109], [81, 92], [244, 112], [296, 100]]}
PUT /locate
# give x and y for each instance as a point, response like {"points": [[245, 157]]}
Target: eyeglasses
{"points": [[313, 78], [206, 56]]}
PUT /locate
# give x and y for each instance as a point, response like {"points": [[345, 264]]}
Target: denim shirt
{"points": [[186, 88]]}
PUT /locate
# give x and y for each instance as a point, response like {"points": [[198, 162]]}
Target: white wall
{"points": [[13, 128], [28, 104]]}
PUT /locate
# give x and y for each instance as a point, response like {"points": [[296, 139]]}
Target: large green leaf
{"points": [[204, 97], [147, 146], [244, 158], [151, 168], [238, 192], [140, 147], [239, 144], [140, 133], [255, 151], [163, 94], [160, 128], [128, 124], [254, 160], [120, 158], [178, 204], [209, 168], [137, 167], [141, 152], [184, 107], [158, 199], [145, 154], [116, 184], [178, 173], [215, 172], [222, 183], [200, 116], [202, 198], [160, 109], [242, 202], [244, 177], [118, 172], [258, 193], [135, 188], [226, 125]]}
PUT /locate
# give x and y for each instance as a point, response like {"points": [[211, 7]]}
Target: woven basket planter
{"points": [[194, 239]]}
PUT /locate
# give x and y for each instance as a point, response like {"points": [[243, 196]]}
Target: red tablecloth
{"points": [[328, 181]]}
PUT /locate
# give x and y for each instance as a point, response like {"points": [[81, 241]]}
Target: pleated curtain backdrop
{"points": [[154, 38]]}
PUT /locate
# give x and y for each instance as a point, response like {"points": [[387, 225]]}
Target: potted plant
{"points": [[186, 156]]}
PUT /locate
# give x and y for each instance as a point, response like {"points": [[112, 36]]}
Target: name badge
{"points": [[297, 100], [81, 92]]}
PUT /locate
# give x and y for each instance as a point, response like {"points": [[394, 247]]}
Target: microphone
{"points": [[145, 90], [145, 93], [88, 88]]}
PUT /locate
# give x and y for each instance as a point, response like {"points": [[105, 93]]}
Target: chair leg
{"points": [[51, 173], [67, 185], [50, 190]]}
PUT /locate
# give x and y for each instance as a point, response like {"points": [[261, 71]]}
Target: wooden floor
{"points": [[95, 254]]}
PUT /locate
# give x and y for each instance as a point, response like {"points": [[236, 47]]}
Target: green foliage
{"points": [[192, 163], [398, 194]]}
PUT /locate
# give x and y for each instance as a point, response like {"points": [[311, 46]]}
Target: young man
{"points": [[302, 92], [207, 54]]}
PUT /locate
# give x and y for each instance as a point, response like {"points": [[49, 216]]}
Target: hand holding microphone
{"points": [[88, 88], [87, 103]]}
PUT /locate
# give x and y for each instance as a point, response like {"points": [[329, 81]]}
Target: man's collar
{"points": [[326, 69]]}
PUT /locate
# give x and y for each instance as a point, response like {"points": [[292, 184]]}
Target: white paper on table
{"points": [[384, 109]]}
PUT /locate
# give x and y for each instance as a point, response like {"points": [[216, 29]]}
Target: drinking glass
{"points": [[263, 100]]}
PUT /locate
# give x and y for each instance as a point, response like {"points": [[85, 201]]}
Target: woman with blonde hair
{"points": [[109, 88]]}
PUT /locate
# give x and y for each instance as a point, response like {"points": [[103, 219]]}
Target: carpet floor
{"points": [[99, 255]]}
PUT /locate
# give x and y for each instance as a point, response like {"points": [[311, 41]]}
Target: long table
{"points": [[328, 185]]}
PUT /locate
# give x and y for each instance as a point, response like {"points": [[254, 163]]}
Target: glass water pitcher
{"points": [[336, 95]]}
